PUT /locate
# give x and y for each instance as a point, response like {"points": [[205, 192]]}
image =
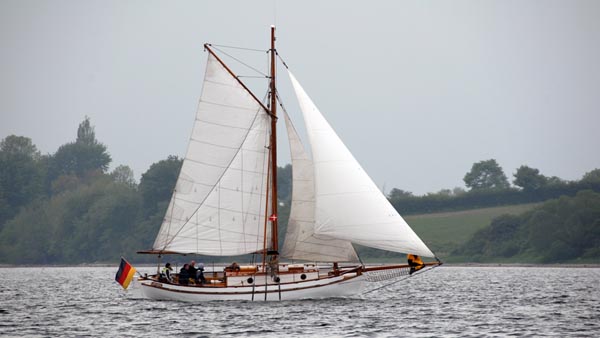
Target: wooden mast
{"points": [[273, 149]]}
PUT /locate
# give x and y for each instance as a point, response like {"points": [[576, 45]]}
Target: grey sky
{"points": [[418, 90]]}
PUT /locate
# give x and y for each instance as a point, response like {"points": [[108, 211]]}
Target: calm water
{"points": [[447, 301]]}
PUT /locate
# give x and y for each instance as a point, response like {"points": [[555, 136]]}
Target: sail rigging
{"points": [[225, 203], [227, 178]]}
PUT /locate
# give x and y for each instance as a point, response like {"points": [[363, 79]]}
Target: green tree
{"points": [[458, 191], [555, 181], [22, 175], [486, 175], [123, 174], [65, 183], [26, 237], [155, 189], [14, 145], [284, 183], [591, 176], [529, 179], [91, 223], [157, 184], [397, 194], [105, 228], [444, 192], [79, 157], [85, 133]]}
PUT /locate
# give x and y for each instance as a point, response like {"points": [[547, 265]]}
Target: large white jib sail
{"points": [[348, 205], [218, 206]]}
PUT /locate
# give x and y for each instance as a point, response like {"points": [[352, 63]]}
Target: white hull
{"points": [[330, 287]]}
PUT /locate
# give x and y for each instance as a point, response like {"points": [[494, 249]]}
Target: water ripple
{"points": [[447, 302]]}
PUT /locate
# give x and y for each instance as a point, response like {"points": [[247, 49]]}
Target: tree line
{"points": [[489, 187], [68, 208]]}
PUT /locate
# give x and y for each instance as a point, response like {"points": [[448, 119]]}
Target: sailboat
{"points": [[225, 204]]}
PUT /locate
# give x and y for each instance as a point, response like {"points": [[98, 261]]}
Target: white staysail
{"points": [[300, 242], [218, 207], [349, 206]]}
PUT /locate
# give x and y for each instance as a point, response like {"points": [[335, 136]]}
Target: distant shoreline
{"points": [[524, 265], [450, 265]]}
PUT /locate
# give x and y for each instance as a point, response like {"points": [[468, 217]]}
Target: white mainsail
{"points": [[218, 206], [349, 206], [300, 241]]}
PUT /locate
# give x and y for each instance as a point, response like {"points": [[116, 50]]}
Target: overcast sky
{"points": [[418, 90]]}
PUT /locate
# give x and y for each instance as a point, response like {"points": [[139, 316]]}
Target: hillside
{"points": [[563, 230], [446, 231]]}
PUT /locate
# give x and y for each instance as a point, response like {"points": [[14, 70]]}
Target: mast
{"points": [[273, 149]]}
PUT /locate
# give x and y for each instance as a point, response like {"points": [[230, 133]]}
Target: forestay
{"points": [[218, 207], [300, 241], [348, 205]]}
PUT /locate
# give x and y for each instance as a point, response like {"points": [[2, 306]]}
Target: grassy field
{"points": [[442, 232]]}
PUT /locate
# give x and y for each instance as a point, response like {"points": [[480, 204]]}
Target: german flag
{"points": [[125, 273]]}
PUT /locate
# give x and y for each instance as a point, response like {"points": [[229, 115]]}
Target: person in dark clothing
{"points": [[192, 271], [184, 275], [234, 267]]}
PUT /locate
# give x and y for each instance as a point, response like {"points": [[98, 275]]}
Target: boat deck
{"points": [[254, 275]]}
